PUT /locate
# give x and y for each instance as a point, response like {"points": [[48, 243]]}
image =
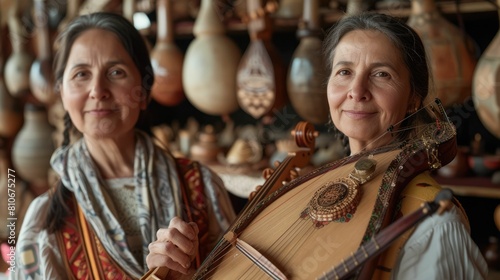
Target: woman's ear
{"points": [[414, 103]]}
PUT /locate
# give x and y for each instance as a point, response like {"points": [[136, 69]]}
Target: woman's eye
{"points": [[343, 72], [80, 75], [117, 73], [382, 74]]}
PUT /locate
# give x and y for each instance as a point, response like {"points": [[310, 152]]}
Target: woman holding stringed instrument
{"points": [[336, 221], [117, 187], [378, 91]]}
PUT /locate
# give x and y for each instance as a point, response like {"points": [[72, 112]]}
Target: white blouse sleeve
{"points": [[37, 251], [440, 248]]}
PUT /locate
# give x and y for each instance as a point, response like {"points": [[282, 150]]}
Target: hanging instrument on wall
{"points": [[308, 226], [261, 73]]}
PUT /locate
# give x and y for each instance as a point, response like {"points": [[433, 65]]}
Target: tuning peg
{"points": [[294, 174], [252, 194], [267, 173]]}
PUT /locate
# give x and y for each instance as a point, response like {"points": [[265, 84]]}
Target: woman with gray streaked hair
{"points": [[379, 79]]}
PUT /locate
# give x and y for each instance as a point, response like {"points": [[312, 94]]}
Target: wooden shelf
{"points": [[446, 7], [330, 16], [471, 186]]}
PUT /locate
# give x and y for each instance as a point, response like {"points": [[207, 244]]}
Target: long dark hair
{"points": [[135, 46], [404, 38]]}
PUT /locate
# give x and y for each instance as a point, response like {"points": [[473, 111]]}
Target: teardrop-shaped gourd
{"points": [[485, 87], [41, 77], [33, 146], [18, 65], [306, 76], [167, 59], [261, 77], [210, 64], [450, 54]]}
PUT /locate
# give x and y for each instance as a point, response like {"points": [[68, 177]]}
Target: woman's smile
{"points": [[358, 115], [101, 112]]}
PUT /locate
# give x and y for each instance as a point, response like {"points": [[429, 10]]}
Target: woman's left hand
{"points": [[175, 247]]}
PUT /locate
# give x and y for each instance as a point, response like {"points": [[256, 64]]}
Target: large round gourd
{"points": [[485, 89]]}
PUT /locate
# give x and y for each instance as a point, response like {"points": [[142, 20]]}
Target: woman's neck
{"points": [[114, 157], [357, 146]]}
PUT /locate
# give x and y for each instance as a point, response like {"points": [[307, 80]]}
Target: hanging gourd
{"points": [[11, 115], [450, 52], [33, 147], [485, 89], [41, 77], [261, 74], [210, 64], [290, 9], [167, 59], [355, 7], [306, 76], [72, 7], [18, 65]]}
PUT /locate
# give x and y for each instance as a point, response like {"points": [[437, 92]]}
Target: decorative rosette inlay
{"points": [[337, 200]]}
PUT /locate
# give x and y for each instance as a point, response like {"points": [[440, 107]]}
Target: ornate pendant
{"points": [[337, 200]]}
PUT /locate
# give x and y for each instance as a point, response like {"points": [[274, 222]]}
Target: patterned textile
{"points": [[159, 197], [194, 196], [78, 255]]}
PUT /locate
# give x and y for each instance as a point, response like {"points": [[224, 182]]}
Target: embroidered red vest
{"points": [[86, 258]]}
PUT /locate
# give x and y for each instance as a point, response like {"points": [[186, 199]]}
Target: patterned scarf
{"points": [[156, 189]]}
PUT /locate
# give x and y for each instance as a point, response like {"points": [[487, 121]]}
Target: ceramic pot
{"points": [[33, 146], [451, 55]]}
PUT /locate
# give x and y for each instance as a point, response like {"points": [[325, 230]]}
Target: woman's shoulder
{"points": [[36, 213]]}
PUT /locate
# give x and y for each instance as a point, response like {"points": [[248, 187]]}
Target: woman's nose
{"points": [[359, 89], [99, 89]]}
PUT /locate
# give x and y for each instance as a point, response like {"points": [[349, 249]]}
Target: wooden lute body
{"points": [[308, 227]]}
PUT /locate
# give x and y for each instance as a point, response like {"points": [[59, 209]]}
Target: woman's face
{"points": [[101, 86], [368, 89]]}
